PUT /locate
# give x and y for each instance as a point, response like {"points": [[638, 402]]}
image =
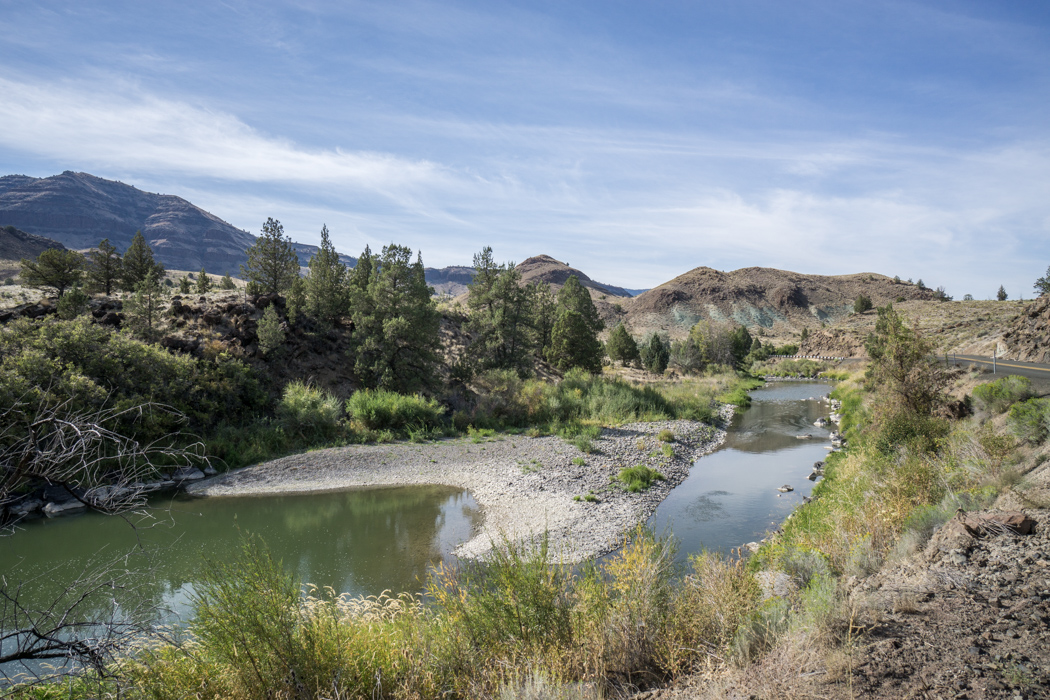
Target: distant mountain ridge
{"points": [[79, 210]]}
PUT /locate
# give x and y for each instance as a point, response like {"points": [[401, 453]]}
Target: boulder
{"points": [[53, 510]]}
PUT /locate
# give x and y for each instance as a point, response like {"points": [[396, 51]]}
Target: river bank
{"points": [[525, 486]]}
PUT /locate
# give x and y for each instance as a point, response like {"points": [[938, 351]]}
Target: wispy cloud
{"points": [[122, 127]]}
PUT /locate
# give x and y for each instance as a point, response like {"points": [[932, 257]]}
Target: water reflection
{"points": [[730, 497], [360, 542]]}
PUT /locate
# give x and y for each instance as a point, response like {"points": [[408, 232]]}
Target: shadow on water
{"points": [[730, 496]]}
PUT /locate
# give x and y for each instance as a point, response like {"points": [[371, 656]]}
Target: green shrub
{"points": [[997, 396], [904, 429], [638, 478], [666, 435], [1030, 420], [72, 303], [309, 412], [380, 409]]}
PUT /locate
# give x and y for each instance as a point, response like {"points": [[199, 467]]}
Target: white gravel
{"points": [[524, 485]]}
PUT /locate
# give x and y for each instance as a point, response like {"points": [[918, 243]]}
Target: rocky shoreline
{"points": [[525, 486]]}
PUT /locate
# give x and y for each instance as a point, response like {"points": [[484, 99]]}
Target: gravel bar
{"points": [[524, 485]]}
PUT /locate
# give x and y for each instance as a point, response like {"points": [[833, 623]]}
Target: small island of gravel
{"points": [[524, 485]]}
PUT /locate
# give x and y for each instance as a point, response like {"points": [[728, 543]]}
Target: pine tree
{"points": [[59, 269], [500, 315], [621, 346], [574, 338], [142, 310], [396, 323], [1001, 294], [1042, 285], [138, 263], [227, 282], [272, 262], [203, 282], [326, 292], [184, 285], [544, 313], [271, 335], [655, 354], [104, 267]]}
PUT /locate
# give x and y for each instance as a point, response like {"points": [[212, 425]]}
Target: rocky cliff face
{"points": [[79, 210], [1028, 337]]}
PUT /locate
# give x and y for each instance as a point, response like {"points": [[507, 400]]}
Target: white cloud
{"points": [[122, 127]]}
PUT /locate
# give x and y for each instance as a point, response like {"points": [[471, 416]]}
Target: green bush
{"points": [[904, 429], [997, 396], [1030, 420], [638, 478], [309, 412], [379, 409]]}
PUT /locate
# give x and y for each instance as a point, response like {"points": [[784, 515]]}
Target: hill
{"points": [[544, 268], [79, 210], [778, 302], [451, 281], [16, 244]]}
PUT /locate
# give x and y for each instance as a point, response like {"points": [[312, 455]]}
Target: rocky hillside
{"points": [[16, 244], [79, 210], [544, 268], [780, 303], [1028, 336], [963, 327], [451, 281]]}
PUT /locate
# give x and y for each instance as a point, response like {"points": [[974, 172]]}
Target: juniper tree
{"points": [[142, 310], [1001, 294], [395, 338], [654, 354], [271, 335], [544, 313], [59, 269], [574, 338], [1042, 285], [138, 263], [203, 282], [104, 267], [326, 292], [903, 365], [500, 315], [272, 263], [621, 346]]}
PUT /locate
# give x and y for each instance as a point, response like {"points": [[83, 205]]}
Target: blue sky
{"points": [[632, 140]]}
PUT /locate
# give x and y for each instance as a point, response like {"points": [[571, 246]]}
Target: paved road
{"points": [[1032, 370]]}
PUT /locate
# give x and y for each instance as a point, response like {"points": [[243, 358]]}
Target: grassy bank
{"points": [[574, 408]]}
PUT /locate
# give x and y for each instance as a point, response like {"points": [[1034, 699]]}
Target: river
{"points": [[366, 541]]}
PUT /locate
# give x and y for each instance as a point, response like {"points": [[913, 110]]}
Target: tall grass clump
{"points": [[997, 396], [638, 478], [380, 410], [309, 412]]}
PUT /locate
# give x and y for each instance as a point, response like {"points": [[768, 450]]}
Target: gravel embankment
{"points": [[523, 485]]}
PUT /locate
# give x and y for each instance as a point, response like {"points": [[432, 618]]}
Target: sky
{"points": [[632, 140]]}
